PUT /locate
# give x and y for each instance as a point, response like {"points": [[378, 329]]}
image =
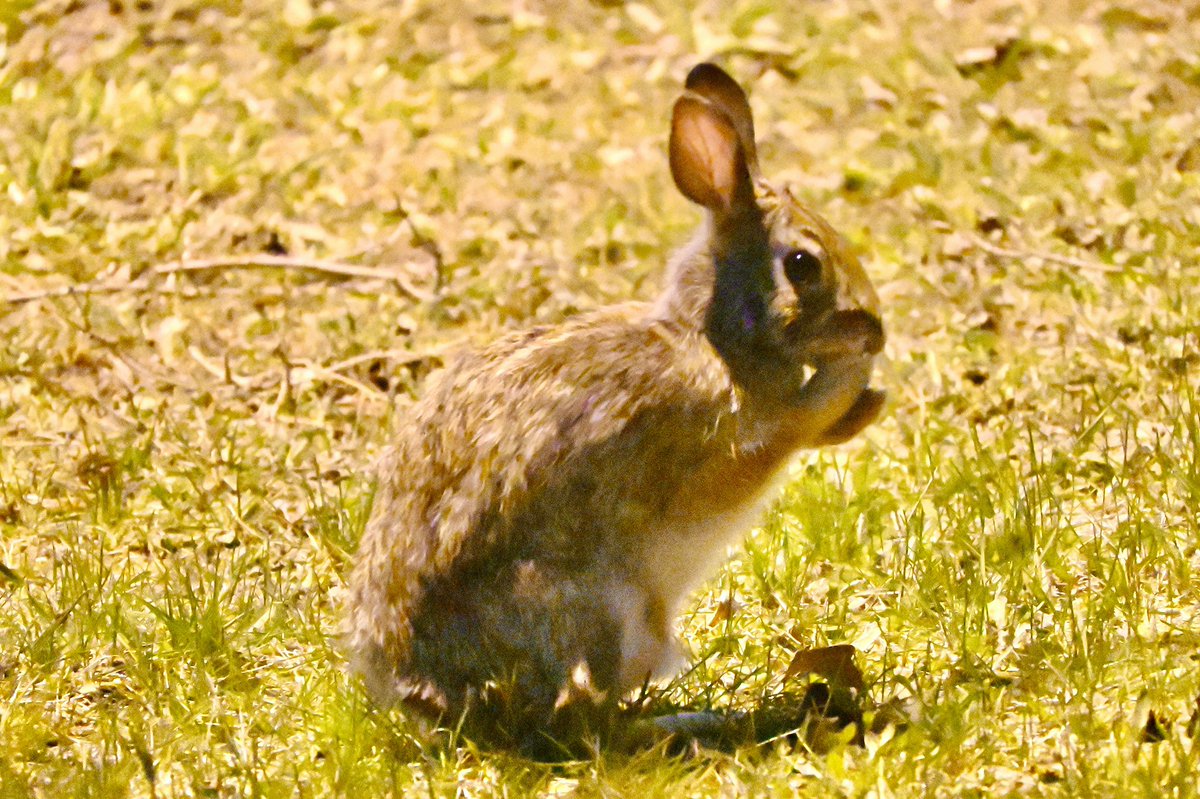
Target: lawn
{"points": [[236, 237]]}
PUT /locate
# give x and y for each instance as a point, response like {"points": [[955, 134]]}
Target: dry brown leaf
{"points": [[834, 664], [724, 612]]}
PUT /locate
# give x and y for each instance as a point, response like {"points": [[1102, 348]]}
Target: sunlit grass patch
{"points": [[185, 456]]}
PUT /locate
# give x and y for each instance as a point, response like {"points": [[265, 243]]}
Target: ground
{"points": [[236, 237]]}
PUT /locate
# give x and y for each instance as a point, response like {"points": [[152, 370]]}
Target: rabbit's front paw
{"points": [[836, 401], [866, 409]]}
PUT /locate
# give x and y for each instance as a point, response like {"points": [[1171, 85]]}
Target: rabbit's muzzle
{"points": [[841, 334], [861, 330]]}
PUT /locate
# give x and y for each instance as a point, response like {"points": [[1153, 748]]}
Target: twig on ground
{"points": [[230, 262], [79, 289], [221, 371], [299, 264], [427, 244], [333, 377], [305, 372], [1065, 260]]}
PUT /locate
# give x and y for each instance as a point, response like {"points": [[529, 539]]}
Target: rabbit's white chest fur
{"points": [[676, 559], [684, 556]]}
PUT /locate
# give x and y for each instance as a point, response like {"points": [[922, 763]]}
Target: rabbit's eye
{"points": [[802, 267]]}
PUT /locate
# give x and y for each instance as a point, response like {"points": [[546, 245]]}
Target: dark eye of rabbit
{"points": [[802, 268]]}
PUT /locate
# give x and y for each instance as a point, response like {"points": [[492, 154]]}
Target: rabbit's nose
{"points": [[862, 325]]}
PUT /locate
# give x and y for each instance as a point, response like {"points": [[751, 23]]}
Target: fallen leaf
{"points": [[834, 664], [724, 612]]}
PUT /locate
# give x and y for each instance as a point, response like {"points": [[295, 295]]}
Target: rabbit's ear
{"points": [[707, 161], [714, 85]]}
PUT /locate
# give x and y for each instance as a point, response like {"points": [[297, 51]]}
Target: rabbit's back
{"points": [[529, 442]]}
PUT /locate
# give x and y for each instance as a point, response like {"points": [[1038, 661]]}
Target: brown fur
{"points": [[553, 498]]}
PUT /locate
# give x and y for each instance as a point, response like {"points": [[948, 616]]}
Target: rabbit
{"points": [[554, 497]]}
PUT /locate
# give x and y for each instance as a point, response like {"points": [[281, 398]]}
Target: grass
{"points": [[185, 458]]}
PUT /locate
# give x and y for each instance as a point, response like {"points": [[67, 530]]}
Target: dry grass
{"points": [[184, 454]]}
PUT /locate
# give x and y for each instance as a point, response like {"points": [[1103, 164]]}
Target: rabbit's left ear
{"points": [[707, 161], [714, 84]]}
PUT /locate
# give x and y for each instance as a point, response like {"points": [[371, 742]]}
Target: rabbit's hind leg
{"points": [[528, 653]]}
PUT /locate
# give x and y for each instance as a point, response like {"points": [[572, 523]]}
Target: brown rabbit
{"points": [[554, 497]]}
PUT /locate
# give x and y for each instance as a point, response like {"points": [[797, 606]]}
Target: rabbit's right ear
{"points": [[707, 161]]}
